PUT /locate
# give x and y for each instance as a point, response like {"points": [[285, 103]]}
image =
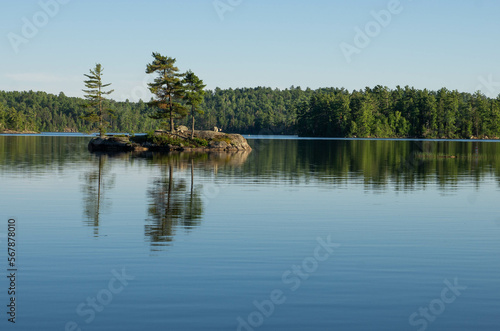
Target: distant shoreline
{"points": [[249, 136], [18, 132]]}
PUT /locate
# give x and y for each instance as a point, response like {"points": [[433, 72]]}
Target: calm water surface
{"points": [[297, 235]]}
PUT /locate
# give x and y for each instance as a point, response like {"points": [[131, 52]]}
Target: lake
{"points": [[300, 234]]}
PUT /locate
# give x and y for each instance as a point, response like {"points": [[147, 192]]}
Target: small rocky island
{"points": [[180, 141]]}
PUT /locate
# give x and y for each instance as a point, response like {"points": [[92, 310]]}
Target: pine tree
{"points": [[495, 118], [3, 114], [167, 89], [15, 119], [96, 111], [194, 92]]}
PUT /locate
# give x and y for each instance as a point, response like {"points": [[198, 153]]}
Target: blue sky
{"points": [[248, 43]]}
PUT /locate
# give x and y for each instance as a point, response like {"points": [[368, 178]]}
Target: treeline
{"points": [[256, 110], [327, 112], [399, 113], [40, 111]]}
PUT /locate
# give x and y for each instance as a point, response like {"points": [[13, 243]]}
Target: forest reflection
{"points": [[377, 164], [174, 197]]}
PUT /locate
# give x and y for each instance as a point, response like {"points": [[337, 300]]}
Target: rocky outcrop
{"points": [[113, 144], [205, 141], [224, 141]]}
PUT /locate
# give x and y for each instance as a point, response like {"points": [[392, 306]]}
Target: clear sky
{"points": [[48, 45]]}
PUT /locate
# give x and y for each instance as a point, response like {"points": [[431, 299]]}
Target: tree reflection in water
{"points": [[95, 184], [176, 203], [172, 205]]}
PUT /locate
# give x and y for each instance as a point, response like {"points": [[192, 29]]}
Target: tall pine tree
{"points": [[95, 105], [167, 88], [194, 92]]}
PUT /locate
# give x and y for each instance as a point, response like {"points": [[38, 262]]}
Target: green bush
{"points": [[198, 142], [163, 140], [225, 139]]}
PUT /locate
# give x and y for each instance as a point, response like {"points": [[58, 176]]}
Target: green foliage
{"points": [[227, 140], [259, 110], [168, 139], [327, 112], [400, 113], [56, 113], [199, 142], [163, 140], [194, 92], [2, 117], [167, 88], [96, 106]]}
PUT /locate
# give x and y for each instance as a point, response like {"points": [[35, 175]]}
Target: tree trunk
{"points": [[100, 113], [192, 126], [171, 117]]}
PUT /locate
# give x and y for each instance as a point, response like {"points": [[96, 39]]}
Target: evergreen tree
{"points": [[333, 112], [15, 120], [96, 111], [363, 109], [2, 118], [167, 89], [479, 113], [495, 117], [194, 92]]}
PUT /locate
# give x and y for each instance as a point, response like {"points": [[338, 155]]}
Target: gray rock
{"points": [[110, 144], [219, 144], [182, 128]]}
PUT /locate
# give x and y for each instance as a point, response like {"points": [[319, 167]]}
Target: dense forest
{"points": [[327, 112], [39, 111], [403, 112]]}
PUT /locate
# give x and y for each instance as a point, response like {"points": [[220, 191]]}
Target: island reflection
{"points": [[177, 203]]}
